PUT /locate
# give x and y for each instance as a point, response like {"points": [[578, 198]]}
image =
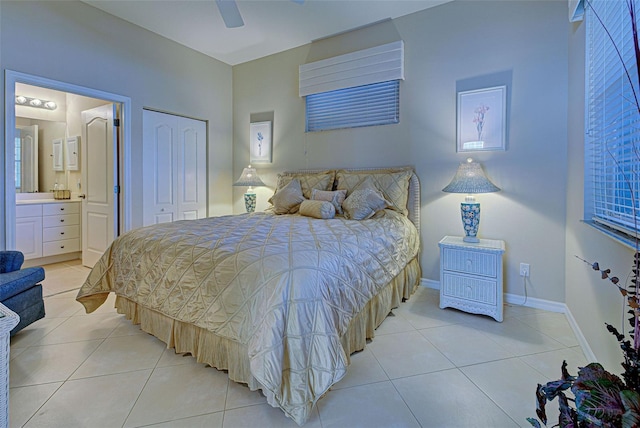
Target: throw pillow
{"points": [[288, 199], [317, 209], [364, 202], [336, 198]]}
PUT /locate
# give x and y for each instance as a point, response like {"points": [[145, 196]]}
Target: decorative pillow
{"points": [[392, 182], [336, 198], [288, 199], [364, 201], [317, 209], [322, 180]]}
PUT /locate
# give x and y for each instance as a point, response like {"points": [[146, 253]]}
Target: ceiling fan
{"points": [[231, 15]]}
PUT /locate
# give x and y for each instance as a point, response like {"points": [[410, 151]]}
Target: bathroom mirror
{"points": [[34, 155]]}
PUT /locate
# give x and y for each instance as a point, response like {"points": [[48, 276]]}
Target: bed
{"points": [[279, 301]]}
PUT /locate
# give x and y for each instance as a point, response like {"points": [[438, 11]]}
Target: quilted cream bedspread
{"points": [[285, 286]]}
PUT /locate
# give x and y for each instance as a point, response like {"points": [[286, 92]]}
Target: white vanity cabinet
{"points": [[60, 228], [29, 230], [48, 229]]}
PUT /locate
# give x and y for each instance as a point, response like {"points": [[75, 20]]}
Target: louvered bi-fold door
{"points": [[174, 168]]}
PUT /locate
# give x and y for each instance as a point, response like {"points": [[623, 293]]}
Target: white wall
{"points": [[592, 301], [76, 43], [455, 46]]}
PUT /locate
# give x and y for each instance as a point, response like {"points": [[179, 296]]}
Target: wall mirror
{"points": [[37, 169]]}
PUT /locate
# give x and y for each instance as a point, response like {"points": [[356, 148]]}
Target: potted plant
{"points": [[600, 398]]}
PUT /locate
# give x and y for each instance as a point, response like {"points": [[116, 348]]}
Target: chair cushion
{"points": [[29, 305], [15, 282], [10, 260]]}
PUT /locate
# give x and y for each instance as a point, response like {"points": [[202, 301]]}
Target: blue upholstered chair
{"points": [[20, 289]]}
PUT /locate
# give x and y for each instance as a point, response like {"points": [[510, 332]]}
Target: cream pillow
{"points": [[317, 209], [393, 183], [322, 180], [364, 201], [336, 197], [288, 199]]}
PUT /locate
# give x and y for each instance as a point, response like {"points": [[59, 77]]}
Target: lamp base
{"points": [[250, 202], [470, 212]]}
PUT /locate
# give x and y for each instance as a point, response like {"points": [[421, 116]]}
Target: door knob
{"points": [[82, 196]]}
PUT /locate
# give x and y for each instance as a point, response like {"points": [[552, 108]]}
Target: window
{"points": [[612, 151], [367, 105], [18, 160], [360, 88]]}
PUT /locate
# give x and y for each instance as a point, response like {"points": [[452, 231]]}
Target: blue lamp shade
{"points": [[249, 177], [470, 179]]}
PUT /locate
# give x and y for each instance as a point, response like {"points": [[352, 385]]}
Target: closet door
{"points": [[191, 173], [174, 168]]}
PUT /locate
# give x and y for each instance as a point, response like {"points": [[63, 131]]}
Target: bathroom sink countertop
{"points": [[45, 201]]}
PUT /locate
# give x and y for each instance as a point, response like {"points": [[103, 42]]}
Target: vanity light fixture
{"points": [[35, 102]]}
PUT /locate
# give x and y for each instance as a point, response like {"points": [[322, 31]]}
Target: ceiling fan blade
{"points": [[230, 13]]}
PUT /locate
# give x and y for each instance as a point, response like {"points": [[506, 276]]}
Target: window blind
{"points": [[367, 105], [612, 152]]}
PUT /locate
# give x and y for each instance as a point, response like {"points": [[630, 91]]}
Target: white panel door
{"points": [[192, 169], [99, 205], [174, 168]]}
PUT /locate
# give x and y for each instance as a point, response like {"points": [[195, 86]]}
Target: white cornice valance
{"points": [[379, 64]]}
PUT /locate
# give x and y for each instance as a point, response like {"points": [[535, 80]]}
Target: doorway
{"points": [[120, 180]]}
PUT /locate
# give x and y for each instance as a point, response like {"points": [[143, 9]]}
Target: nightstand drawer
{"points": [[470, 288], [472, 262]]}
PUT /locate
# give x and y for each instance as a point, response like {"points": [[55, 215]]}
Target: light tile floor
{"points": [[426, 367]]}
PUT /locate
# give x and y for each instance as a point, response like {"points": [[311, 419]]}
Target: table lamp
{"points": [[249, 177], [470, 179]]}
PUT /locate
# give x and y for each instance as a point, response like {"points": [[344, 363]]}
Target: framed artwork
{"points": [[260, 142], [482, 119]]}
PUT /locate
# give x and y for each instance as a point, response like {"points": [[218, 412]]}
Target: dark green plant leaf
{"points": [[568, 417], [534, 422], [541, 401], [597, 395], [565, 372], [631, 402]]}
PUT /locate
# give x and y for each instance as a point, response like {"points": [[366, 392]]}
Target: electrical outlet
{"points": [[524, 269]]}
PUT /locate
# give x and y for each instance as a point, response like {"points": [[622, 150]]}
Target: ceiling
{"points": [[271, 26]]}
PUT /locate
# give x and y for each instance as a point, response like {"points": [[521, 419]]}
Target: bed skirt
{"points": [[231, 356]]}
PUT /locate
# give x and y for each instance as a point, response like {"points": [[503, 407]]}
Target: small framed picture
{"points": [[260, 142], [482, 117]]}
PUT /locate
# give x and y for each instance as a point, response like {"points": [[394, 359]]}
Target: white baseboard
{"points": [[586, 349], [532, 302]]}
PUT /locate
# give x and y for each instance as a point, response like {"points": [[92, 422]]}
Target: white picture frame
{"points": [[260, 149], [482, 119]]}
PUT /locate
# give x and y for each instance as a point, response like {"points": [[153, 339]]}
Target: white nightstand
{"points": [[471, 275]]}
